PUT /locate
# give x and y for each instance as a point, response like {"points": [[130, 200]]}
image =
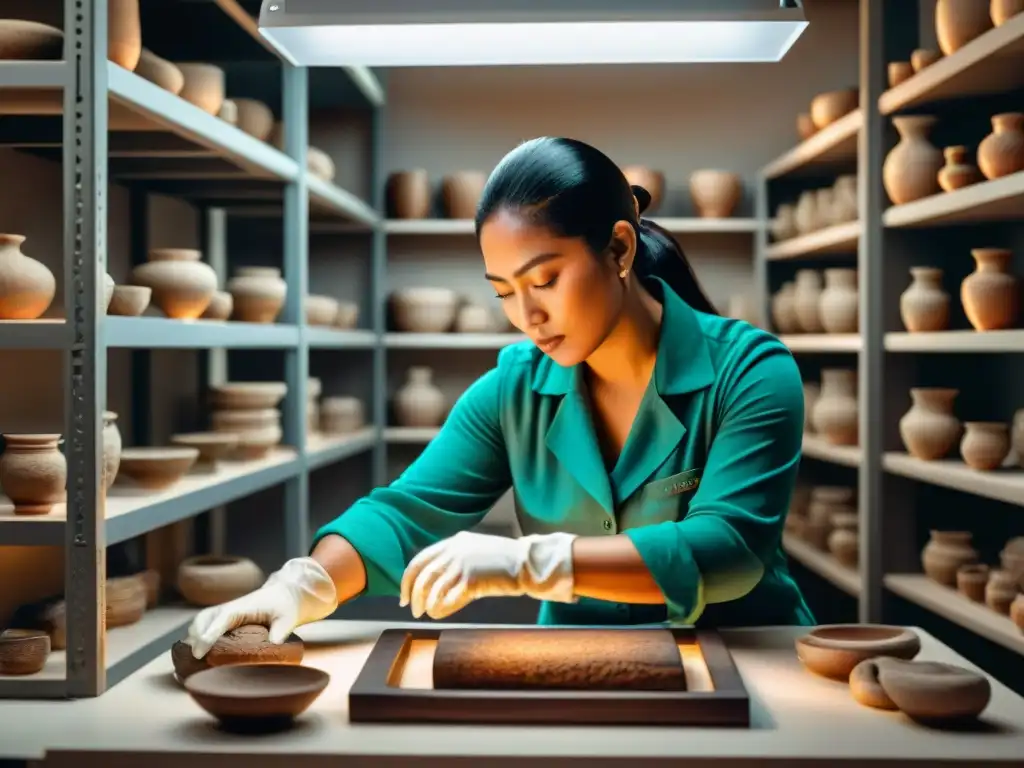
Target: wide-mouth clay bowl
{"points": [[248, 395], [129, 300], [212, 447], [23, 651], [157, 468], [833, 650]]}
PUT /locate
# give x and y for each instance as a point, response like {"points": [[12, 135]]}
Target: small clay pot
{"points": [[971, 580], [182, 284], [1001, 590], [715, 193], [991, 294], [650, 179], [945, 553], [259, 294], [923, 57], [783, 309], [33, 473], [806, 300], [27, 286], [838, 304], [212, 447], [341, 415], [127, 597], [160, 72], [957, 22], [957, 172], [220, 307], [254, 118], [460, 193], [157, 468], [924, 306], [911, 168], [129, 300], [203, 86], [985, 445], [828, 107], [929, 430], [111, 448], [844, 540], [214, 579], [836, 414], [320, 310], [925, 691], [834, 650], [899, 71], [1001, 153], [408, 194]]}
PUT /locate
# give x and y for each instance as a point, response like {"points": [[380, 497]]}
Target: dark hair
{"points": [[575, 190]]}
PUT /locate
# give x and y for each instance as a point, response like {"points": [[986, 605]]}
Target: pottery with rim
{"points": [[157, 468], [33, 473], [835, 414], [129, 300], [23, 651], [985, 444], [182, 284], [259, 294], [424, 309], [957, 172], [929, 430], [341, 415], [945, 553], [957, 22], [833, 650], [971, 580], [1001, 590], [408, 194], [27, 286], [910, 171], [925, 691], [924, 305], [715, 193], [247, 395], [212, 447], [419, 402], [321, 310], [460, 193], [214, 579], [990, 294], [1001, 153]]}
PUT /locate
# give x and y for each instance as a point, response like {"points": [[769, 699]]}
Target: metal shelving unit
{"points": [[223, 172]]}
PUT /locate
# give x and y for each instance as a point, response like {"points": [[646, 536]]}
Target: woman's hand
{"points": [[447, 576], [301, 592]]}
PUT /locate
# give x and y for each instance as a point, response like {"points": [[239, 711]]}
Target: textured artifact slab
{"points": [[559, 659]]}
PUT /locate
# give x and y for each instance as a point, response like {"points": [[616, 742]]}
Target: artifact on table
{"points": [[828, 107], [27, 286], [715, 193], [22, 40], [924, 306], [834, 650], [971, 580], [990, 294], [806, 300], [419, 402], [33, 473], [838, 303], [844, 539], [563, 659], [1002, 10], [650, 179], [923, 57], [945, 553], [182, 284], [474, 318], [1001, 590], [204, 85], [254, 118], [23, 651], [835, 414], [805, 127], [424, 310], [212, 447], [320, 310], [957, 171], [1001, 153], [341, 415], [129, 300], [160, 72], [460, 193], [929, 430], [899, 71], [926, 691], [911, 168], [157, 468], [248, 644], [221, 305], [258, 293], [124, 33], [408, 194], [111, 448], [957, 22], [985, 444], [256, 697], [348, 315], [214, 579]]}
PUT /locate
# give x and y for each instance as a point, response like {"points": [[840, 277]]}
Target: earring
{"points": [[623, 273]]}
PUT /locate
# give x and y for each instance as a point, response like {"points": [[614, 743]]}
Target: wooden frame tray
{"points": [[378, 694]]}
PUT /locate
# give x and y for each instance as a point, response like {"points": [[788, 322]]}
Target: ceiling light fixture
{"points": [[432, 33]]}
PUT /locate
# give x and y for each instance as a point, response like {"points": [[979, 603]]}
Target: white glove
{"points": [[301, 592], [447, 576]]}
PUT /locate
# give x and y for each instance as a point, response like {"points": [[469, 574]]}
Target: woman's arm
{"points": [[610, 568]]}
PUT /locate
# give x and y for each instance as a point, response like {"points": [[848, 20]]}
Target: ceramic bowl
{"points": [[424, 310], [214, 579], [833, 650], [129, 300], [220, 306], [256, 697], [248, 395], [23, 651], [156, 468], [321, 310], [212, 447], [348, 315]]}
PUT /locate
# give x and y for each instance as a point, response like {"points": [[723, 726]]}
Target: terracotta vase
{"points": [[783, 309], [715, 193], [124, 33], [844, 539], [805, 216], [1001, 153], [945, 553], [899, 71], [971, 580], [990, 294], [812, 391], [461, 192], [33, 473], [806, 298], [27, 286], [111, 448], [182, 285], [1017, 436], [1001, 590], [419, 403], [1002, 10], [258, 293], [408, 194], [957, 172], [651, 180], [957, 22], [838, 304], [911, 168], [985, 444], [924, 306], [929, 430], [836, 414]]}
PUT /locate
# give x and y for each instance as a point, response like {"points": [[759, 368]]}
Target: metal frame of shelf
{"points": [[96, 659]]}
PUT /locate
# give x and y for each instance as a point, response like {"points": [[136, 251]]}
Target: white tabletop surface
{"points": [[797, 719]]}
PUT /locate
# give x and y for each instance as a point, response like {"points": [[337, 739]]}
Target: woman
{"points": [[652, 445]]}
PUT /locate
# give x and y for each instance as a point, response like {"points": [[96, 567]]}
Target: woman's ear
{"points": [[623, 246]]}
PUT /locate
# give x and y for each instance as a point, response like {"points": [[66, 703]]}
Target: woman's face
{"points": [[554, 289]]}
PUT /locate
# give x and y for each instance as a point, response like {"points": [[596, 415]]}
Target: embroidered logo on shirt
{"points": [[684, 482]]}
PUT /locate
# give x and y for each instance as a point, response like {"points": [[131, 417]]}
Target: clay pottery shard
{"points": [[27, 286], [971, 580], [924, 306], [461, 192], [990, 294], [259, 294], [30, 41], [204, 86], [715, 193], [865, 688], [160, 72], [910, 171], [184, 662], [214, 579], [931, 692], [1002, 10], [929, 430], [923, 57], [945, 553], [182, 285], [256, 697], [408, 194], [957, 172], [124, 33], [250, 644], [834, 650], [23, 651], [651, 180], [957, 22], [985, 445], [33, 473], [1001, 153], [828, 107]]}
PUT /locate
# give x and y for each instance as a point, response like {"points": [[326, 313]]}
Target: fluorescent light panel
{"points": [[335, 39]]}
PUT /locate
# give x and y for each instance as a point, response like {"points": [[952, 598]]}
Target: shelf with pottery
{"points": [[336, 426], [818, 447], [451, 340], [674, 224], [835, 239], [986, 55], [1000, 484], [822, 563], [319, 337], [323, 449], [822, 342], [822, 533], [1011, 340], [829, 135]]}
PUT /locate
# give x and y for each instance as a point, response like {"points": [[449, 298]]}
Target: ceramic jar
{"points": [[474, 318], [929, 430], [945, 553], [990, 294], [651, 180], [957, 171], [1017, 436], [27, 286], [911, 168], [408, 194], [124, 33], [1002, 10], [214, 579], [1002, 151], [461, 192], [1001, 590], [33, 473], [812, 391], [341, 415], [957, 22], [419, 403], [203, 86], [924, 306], [828, 107], [844, 199], [111, 448], [784, 309], [258, 293], [806, 300], [715, 193], [826, 502], [971, 580], [835, 413], [182, 285], [985, 444], [838, 304], [424, 310], [805, 217], [783, 226], [844, 540], [254, 117]]}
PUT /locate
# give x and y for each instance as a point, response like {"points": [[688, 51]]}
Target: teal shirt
{"points": [[701, 487]]}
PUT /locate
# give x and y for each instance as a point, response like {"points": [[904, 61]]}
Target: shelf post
{"points": [[378, 294], [85, 218], [762, 288]]}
